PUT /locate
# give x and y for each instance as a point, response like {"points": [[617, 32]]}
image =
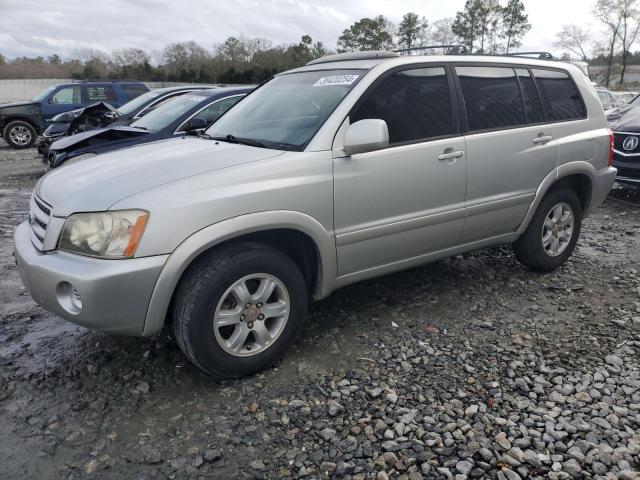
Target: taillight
{"points": [[610, 147]]}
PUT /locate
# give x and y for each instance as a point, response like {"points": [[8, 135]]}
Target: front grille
{"points": [[619, 139], [39, 213]]}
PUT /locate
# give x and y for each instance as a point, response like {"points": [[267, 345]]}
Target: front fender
{"points": [[235, 227]]}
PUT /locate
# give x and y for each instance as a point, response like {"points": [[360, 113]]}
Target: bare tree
{"points": [[441, 33], [628, 31], [610, 14], [574, 39]]}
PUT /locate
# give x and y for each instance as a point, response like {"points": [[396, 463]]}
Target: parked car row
{"points": [[353, 166], [183, 114]]}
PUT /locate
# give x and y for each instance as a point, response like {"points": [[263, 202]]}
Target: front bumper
{"points": [[114, 294]]}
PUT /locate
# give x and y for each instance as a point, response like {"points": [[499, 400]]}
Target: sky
{"points": [[43, 27]]}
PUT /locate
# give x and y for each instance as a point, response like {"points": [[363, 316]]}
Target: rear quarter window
{"points": [[560, 95]]}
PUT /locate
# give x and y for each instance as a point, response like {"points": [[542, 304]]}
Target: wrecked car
{"points": [[22, 122], [185, 114], [101, 114]]}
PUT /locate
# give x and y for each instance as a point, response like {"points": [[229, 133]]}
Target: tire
{"points": [[19, 134], [204, 295], [531, 250]]}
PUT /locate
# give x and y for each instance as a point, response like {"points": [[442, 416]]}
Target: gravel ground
{"points": [[473, 367]]}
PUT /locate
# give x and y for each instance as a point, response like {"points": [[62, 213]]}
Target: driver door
{"points": [[62, 100], [407, 200]]}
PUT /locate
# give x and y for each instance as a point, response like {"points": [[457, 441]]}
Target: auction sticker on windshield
{"points": [[336, 80]]}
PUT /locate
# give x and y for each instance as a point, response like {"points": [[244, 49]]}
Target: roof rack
{"points": [[451, 49], [339, 57], [103, 80]]}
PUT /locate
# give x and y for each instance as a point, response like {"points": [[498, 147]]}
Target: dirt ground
{"points": [[472, 367]]}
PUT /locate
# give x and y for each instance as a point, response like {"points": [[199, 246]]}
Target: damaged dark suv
{"points": [[22, 122]]}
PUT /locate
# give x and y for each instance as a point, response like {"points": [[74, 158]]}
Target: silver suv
{"points": [[353, 166]]}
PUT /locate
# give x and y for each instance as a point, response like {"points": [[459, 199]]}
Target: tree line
{"points": [[484, 26]]}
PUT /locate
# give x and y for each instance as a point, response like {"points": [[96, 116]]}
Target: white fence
{"points": [[25, 89]]}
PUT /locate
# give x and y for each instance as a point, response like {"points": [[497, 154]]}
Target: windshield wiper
{"points": [[244, 141]]}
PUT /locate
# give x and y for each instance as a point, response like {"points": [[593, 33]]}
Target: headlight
{"points": [[104, 234]]}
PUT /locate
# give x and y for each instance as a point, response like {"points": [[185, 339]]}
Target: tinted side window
{"points": [[215, 110], [132, 90], [560, 95], [67, 96], [491, 96], [416, 104], [532, 104], [101, 93]]}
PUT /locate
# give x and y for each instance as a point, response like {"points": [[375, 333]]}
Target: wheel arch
{"points": [[296, 234], [12, 118], [578, 176]]}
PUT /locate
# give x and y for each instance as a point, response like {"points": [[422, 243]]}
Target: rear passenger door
{"points": [[509, 147], [407, 199]]}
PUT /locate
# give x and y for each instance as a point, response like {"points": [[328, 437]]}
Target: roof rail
{"points": [[339, 57], [540, 55], [451, 49], [103, 80]]}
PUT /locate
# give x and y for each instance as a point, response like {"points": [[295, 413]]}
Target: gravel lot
{"points": [[473, 367]]}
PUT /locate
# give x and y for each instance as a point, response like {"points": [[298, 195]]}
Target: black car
{"points": [[625, 123], [183, 115], [101, 114], [22, 122]]}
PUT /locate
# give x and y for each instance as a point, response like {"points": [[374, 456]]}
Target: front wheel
{"points": [[553, 232], [19, 134], [239, 308]]}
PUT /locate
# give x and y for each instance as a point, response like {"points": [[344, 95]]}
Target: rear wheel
{"points": [[239, 308], [553, 232], [19, 134]]}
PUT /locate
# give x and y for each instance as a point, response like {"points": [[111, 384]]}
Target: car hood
{"points": [[624, 119], [95, 184], [17, 104], [103, 134]]}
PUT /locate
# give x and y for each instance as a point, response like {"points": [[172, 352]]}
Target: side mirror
{"points": [[195, 124], [366, 136]]}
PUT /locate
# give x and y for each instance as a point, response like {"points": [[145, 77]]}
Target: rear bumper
{"points": [[604, 180], [114, 294]]}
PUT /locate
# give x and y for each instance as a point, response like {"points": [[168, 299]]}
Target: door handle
{"points": [[450, 155], [542, 139]]}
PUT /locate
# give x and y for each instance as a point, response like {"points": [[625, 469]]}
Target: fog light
{"points": [[69, 297]]}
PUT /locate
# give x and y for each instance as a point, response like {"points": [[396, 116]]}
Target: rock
{"points": [[327, 434], [471, 410], [613, 360], [571, 466], [502, 440], [151, 454], [390, 446], [334, 408], [212, 455], [532, 459], [257, 464], [328, 468], [91, 466], [464, 467]]}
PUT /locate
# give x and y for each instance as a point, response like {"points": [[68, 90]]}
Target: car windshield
{"points": [[137, 102], [286, 112], [636, 101], [169, 112], [44, 94]]}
